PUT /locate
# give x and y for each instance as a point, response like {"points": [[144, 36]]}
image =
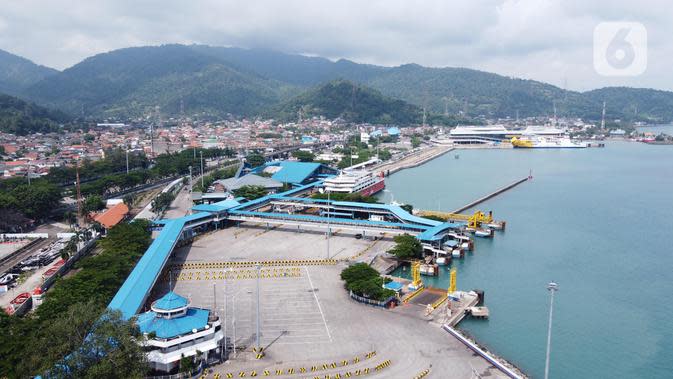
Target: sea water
{"points": [[598, 221]]}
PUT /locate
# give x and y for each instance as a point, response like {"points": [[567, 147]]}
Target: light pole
{"points": [[552, 287], [201, 152], [127, 161], [225, 318], [259, 348], [328, 221]]}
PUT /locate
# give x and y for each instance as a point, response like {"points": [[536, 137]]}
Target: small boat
{"points": [[442, 261], [457, 253], [483, 233]]}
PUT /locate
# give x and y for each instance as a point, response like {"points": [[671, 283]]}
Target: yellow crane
{"points": [[416, 281], [473, 221]]}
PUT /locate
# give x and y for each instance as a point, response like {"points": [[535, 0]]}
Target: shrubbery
{"points": [[34, 343], [407, 247], [366, 282]]}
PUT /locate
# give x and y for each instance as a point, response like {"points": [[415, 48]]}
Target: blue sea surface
{"points": [[598, 221]]}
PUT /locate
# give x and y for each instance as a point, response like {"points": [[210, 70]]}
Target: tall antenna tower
{"points": [[152, 138], [465, 107], [446, 105], [425, 115], [79, 194], [182, 108], [554, 120], [603, 117]]}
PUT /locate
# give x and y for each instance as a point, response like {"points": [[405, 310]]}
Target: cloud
{"points": [[548, 40]]}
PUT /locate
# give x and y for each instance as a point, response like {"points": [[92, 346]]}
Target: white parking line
{"points": [[318, 301]]}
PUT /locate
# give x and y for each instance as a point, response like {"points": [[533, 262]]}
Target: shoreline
{"points": [[485, 352], [413, 160]]}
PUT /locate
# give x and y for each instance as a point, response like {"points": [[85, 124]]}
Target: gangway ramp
{"points": [[307, 221]]}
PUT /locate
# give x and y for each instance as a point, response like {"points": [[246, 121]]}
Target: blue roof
{"points": [[291, 171], [393, 131], [434, 233], [170, 301], [395, 286], [333, 220], [216, 207], [375, 133], [132, 294], [394, 209], [195, 318]]}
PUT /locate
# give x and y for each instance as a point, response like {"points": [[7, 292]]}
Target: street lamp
{"points": [[201, 152], [328, 222], [552, 287], [259, 348]]}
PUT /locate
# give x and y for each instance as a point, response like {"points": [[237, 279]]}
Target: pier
{"points": [[491, 195], [413, 160]]}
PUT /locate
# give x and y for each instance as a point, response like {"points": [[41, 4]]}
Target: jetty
{"points": [[413, 159], [491, 195]]}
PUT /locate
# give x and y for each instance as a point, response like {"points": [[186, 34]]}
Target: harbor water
{"points": [[597, 221]]}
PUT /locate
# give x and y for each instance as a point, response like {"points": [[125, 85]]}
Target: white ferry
{"points": [[355, 181]]}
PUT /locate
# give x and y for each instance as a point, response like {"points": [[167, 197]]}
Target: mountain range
{"points": [[218, 81]]}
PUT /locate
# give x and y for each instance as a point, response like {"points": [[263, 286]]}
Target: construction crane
{"points": [[79, 195]]}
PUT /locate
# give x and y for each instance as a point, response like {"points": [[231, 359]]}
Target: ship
{"points": [[355, 181], [546, 142]]}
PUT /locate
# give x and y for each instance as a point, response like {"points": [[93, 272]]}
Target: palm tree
{"points": [[70, 248]]}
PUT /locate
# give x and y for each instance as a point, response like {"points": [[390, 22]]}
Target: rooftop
{"points": [[170, 301], [195, 318], [232, 184], [112, 216]]}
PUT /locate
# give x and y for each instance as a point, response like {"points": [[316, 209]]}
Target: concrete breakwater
{"points": [[491, 195], [413, 160]]}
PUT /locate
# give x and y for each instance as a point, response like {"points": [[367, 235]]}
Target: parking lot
{"points": [[308, 324]]}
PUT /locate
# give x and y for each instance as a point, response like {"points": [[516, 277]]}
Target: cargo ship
{"points": [[540, 142], [356, 181]]}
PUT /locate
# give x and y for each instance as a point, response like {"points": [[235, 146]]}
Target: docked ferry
{"points": [[546, 142], [356, 181]]}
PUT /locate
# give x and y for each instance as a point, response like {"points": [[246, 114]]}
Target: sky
{"points": [[546, 40]]}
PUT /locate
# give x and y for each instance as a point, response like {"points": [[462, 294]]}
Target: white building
{"points": [[173, 329]]}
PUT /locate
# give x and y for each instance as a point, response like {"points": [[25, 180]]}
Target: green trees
{"points": [[406, 247], [162, 201], [35, 343], [93, 203], [251, 192], [351, 101], [303, 156], [365, 281], [96, 345], [36, 200], [22, 118], [385, 154], [255, 159], [215, 175]]}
